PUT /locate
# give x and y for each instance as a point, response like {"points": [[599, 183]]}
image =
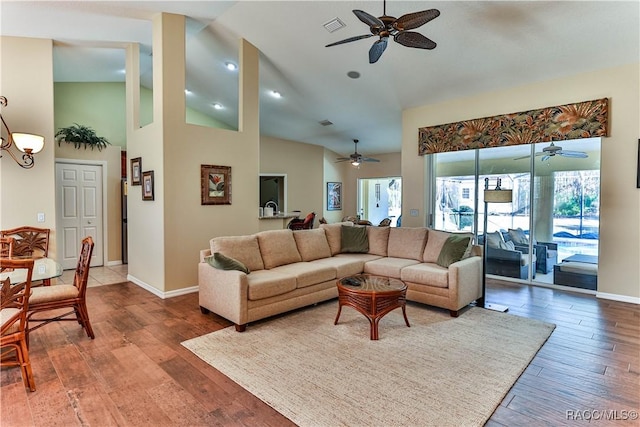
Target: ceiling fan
{"points": [[356, 158], [386, 26], [552, 150]]}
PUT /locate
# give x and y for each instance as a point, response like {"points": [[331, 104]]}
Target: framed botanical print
{"points": [[147, 185], [334, 196], [215, 185], [136, 171]]}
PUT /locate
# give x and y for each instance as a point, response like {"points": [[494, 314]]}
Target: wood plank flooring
{"points": [[136, 373]]}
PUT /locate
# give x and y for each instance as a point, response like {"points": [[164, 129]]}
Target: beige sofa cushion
{"points": [[378, 240], [407, 242], [267, 283], [426, 274], [312, 244], [307, 273], [278, 247], [242, 248], [388, 267], [334, 235]]}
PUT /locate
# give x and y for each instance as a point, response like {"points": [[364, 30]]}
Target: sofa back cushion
{"points": [[378, 240], [334, 235], [242, 248], [312, 244], [407, 242], [278, 247]]}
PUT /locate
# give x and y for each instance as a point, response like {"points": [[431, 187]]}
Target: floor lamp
{"points": [[497, 195]]}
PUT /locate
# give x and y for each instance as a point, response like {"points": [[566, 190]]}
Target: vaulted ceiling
{"points": [[481, 46]]}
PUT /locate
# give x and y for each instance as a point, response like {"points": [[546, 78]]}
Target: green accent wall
{"points": [[101, 106]]}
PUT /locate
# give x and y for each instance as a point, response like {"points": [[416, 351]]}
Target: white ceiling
{"points": [[482, 46]]}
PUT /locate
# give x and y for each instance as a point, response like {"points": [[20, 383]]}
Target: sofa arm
{"points": [[225, 292], [465, 279]]}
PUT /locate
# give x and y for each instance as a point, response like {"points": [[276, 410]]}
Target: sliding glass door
{"points": [[553, 214]]}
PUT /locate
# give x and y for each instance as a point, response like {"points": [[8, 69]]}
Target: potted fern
{"points": [[80, 135]]}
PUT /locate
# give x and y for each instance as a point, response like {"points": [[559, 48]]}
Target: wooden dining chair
{"points": [[6, 247], [14, 305], [47, 298], [29, 242]]}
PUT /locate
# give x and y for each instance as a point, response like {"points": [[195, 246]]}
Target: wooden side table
{"points": [[373, 296]]}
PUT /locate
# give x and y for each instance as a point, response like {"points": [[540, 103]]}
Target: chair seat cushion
{"points": [[5, 315], [44, 294]]}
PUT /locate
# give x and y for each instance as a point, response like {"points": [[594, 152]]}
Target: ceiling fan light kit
{"points": [[388, 26]]}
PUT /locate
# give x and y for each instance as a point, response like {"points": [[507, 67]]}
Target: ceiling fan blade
{"points": [[523, 157], [369, 159], [342, 159], [541, 153], [370, 20], [350, 39], [377, 49], [413, 39], [546, 158], [414, 20], [574, 154]]}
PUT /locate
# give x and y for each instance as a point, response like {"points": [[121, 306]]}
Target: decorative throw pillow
{"points": [[495, 240], [354, 240], [453, 250], [221, 262], [518, 237], [509, 245]]}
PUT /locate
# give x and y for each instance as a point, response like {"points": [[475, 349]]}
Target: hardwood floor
{"points": [[136, 373]]}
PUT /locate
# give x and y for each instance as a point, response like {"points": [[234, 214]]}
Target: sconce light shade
{"points": [[28, 143], [498, 196]]}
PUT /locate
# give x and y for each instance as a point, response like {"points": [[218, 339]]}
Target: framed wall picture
{"points": [[215, 185], [136, 171], [334, 196], [147, 185]]}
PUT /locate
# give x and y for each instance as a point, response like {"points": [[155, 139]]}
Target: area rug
{"points": [[441, 371]]}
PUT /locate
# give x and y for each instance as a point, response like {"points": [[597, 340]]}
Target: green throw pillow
{"points": [[453, 250], [354, 240], [221, 262]]}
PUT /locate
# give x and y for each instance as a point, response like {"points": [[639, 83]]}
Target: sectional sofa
{"points": [[271, 272]]}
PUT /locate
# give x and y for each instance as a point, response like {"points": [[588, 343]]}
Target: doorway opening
{"points": [[380, 198]]}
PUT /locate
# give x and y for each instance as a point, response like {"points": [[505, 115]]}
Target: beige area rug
{"points": [[442, 371]]}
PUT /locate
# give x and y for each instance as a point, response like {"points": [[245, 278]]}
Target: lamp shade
{"points": [[497, 196], [27, 142]]}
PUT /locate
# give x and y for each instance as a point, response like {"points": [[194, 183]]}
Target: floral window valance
{"points": [[572, 121]]}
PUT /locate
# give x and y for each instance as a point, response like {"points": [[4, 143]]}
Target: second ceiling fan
{"points": [[553, 150], [386, 26], [356, 158]]}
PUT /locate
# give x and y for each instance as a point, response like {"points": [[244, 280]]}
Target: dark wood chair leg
{"points": [[241, 328]]}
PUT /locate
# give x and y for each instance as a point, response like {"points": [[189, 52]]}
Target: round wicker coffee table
{"points": [[373, 296]]}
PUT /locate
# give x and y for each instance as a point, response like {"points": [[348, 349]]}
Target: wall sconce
{"points": [[28, 144], [497, 195]]}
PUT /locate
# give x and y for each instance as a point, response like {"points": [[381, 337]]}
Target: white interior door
{"points": [[79, 205]]}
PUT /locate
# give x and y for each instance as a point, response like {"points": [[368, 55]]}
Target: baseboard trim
{"points": [[157, 292], [616, 297], [114, 263]]}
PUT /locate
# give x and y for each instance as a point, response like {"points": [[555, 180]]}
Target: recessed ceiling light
{"points": [[276, 94], [218, 106], [353, 74], [231, 66]]}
